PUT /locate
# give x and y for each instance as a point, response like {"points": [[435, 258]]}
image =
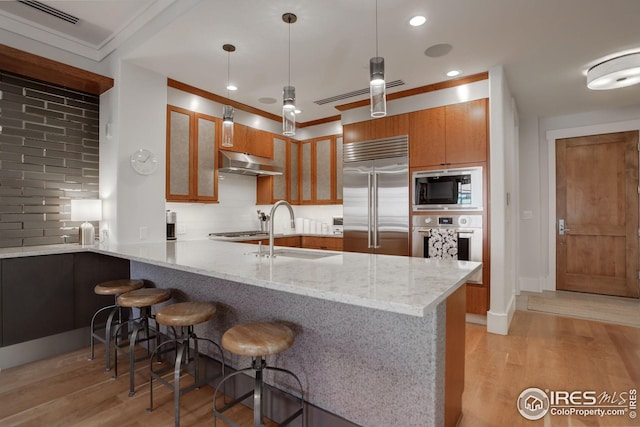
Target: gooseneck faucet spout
{"points": [[272, 216]]}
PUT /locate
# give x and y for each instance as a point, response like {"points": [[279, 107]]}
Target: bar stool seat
{"points": [[182, 314], [257, 340], [115, 288], [143, 299], [186, 314]]}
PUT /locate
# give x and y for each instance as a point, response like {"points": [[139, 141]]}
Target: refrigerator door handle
{"points": [[376, 243], [369, 208]]}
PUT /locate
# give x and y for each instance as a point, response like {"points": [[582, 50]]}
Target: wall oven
{"points": [[454, 189], [457, 237]]}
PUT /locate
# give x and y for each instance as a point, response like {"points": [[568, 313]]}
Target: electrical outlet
{"points": [[144, 233]]}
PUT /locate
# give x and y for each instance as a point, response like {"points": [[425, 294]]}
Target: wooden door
{"points": [[597, 197]]}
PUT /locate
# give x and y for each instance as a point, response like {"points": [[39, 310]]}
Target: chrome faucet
{"points": [[271, 215]]}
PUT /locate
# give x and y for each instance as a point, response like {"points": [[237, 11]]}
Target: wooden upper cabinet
{"points": [[453, 134], [338, 165], [427, 137], [324, 170], [280, 160], [270, 189], [466, 130], [250, 140], [191, 156], [294, 172], [319, 165], [376, 128], [305, 172]]}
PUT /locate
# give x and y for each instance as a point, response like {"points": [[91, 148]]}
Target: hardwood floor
{"points": [[544, 351], [548, 352]]}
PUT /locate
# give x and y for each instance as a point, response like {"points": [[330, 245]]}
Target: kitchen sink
{"points": [[250, 233], [293, 253]]}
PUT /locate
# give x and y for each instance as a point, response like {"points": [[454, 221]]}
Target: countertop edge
{"points": [[397, 307]]}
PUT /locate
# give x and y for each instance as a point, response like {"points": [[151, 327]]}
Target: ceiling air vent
{"points": [[50, 11], [355, 93]]}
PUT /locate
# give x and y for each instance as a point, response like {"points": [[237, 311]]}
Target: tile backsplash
{"points": [[237, 211], [48, 156]]}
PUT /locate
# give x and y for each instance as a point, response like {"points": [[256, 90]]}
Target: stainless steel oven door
{"points": [[469, 241]]}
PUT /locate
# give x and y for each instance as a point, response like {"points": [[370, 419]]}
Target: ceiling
{"points": [[544, 45]]}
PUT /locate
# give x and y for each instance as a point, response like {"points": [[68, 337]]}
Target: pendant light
{"points": [[227, 110], [377, 86], [289, 92]]}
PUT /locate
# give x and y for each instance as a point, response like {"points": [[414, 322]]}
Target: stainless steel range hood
{"points": [[247, 164]]}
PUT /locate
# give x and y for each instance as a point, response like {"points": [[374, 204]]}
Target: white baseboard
{"points": [[531, 284], [498, 323]]}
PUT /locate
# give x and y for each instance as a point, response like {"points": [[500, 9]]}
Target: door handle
{"points": [[376, 244], [561, 227]]}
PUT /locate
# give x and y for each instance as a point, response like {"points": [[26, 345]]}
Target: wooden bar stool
{"points": [[142, 299], [183, 315], [115, 288], [257, 339]]}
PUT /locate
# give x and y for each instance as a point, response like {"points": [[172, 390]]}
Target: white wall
{"points": [[135, 112], [503, 186], [531, 210]]}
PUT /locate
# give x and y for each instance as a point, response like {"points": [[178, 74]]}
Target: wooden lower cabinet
{"points": [[327, 243], [477, 299], [454, 357]]}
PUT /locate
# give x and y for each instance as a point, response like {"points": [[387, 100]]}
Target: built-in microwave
{"points": [[448, 189]]}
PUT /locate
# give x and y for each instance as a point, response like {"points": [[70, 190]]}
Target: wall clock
{"points": [[144, 162]]}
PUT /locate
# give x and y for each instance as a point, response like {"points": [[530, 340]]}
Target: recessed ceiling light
{"points": [[232, 87], [453, 73], [417, 20], [297, 111]]}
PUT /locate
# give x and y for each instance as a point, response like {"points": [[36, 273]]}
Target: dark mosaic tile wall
{"points": [[48, 156]]}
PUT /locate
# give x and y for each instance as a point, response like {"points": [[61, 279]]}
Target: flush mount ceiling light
{"points": [[227, 110], [289, 92], [453, 73], [377, 87], [417, 20], [615, 73]]}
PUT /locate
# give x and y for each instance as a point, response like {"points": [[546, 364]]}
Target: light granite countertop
{"points": [[405, 285]]}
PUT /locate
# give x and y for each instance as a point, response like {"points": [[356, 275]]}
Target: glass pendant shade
{"points": [[377, 87], [227, 126], [288, 111]]}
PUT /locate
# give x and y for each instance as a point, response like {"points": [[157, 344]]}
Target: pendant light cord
{"points": [[376, 28], [289, 19], [228, 71]]}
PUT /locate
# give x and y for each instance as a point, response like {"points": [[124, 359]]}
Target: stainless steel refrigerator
{"points": [[376, 196]]}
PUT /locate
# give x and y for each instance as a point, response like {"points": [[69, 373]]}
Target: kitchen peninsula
{"points": [[372, 331]]}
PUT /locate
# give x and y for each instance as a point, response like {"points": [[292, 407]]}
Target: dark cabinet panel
{"points": [[89, 270], [37, 297], [50, 294]]}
